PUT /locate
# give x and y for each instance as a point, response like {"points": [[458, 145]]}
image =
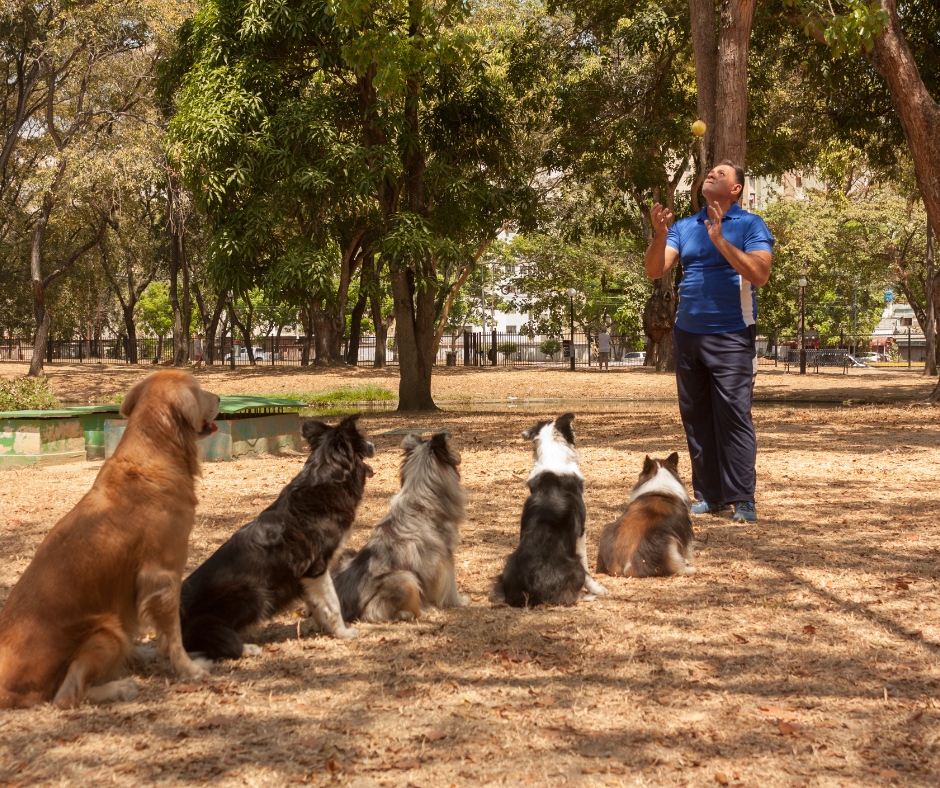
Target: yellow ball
{"points": [[698, 128]]}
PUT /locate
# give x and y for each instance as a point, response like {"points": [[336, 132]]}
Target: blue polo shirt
{"points": [[713, 297]]}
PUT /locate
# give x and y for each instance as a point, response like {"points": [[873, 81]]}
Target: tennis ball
{"points": [[698, 128]]}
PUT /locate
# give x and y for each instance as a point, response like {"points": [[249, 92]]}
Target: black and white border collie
{"points": [[653, 538], [550, 564]]}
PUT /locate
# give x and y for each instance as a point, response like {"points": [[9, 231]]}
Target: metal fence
{"points": [[491, 348], [468, 348], [899, 351]]}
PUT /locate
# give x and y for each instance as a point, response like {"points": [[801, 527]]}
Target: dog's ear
{"points": [[439, 446], [130, 399], [313, 431], [186, 401], [563, 425], [530, 433], [673, 460], [411, 442], [648, 466], [349, 423]]}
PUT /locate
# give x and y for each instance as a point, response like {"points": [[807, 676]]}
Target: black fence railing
{"points": [[467, 348]]}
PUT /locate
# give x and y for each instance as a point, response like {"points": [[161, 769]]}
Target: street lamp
{"points": [[571, 292], [802, 319]]}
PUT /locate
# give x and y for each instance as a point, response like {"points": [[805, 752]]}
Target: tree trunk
{"points": [[308, 334], [355, 325], [928, 319], [721, 76], [178, 355], [415, 334], [917, 110], [328, 325], [213, 326], [705, 49], [131, 327], [39, 296]]}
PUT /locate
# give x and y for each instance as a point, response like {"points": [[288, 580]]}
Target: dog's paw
{"points": [[596, 588], [404, 615], [589, 598], [463, 601], [347, 633], [689, 570], [251, 650], [198, 670], [123, 690]]}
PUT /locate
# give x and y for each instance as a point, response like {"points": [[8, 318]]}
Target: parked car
{"points": [[259, 353], [874, 358], [637, 357], [851, 361]]}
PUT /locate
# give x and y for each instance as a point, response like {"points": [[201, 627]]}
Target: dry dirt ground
{"points": [[453, 386], [804, 652]]}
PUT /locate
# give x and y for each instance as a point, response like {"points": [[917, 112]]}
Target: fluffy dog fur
{"points": [[69, 623], [284, 553], [408, 562], [550, 564], [654, 536]]}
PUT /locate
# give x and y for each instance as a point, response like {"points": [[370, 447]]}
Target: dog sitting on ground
{"points": [[118, 556], [653, 538], [408, 562], [284, 553], [550, 564]]}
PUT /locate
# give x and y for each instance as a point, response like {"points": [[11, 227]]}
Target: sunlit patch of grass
{"points": [[367, 392]]}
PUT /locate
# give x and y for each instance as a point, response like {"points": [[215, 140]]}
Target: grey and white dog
{"points": [[408, 562]]}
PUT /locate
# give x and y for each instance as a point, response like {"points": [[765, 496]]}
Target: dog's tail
{"points": [[677, 559], [395, 596], [212, 638]]}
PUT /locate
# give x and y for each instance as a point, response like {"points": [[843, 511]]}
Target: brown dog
{"points": [[654, 536], [119, 555]]}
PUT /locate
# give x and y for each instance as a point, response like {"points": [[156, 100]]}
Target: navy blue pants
{"points": [[715, 379]]}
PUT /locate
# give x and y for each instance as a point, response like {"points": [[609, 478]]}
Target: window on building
{"points": [[799, 181], [907, 321], [510, 329]]}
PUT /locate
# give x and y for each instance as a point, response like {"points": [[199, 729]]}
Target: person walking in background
{"points": [[725, 253], [198, 350], [603, 349]]}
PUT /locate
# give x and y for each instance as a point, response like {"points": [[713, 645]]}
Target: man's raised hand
{"points": [[714, 226], [661, 219]]}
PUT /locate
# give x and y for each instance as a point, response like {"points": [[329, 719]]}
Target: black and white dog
{"points": [[284, 554], [408, 562], [654, 536], [550, 564]]}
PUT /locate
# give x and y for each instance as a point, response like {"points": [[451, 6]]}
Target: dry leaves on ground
{"points": [[805, 651]]}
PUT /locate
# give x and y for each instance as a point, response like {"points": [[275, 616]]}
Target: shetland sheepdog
{"points": [[408, 563], [654, 536], [550, 564]]}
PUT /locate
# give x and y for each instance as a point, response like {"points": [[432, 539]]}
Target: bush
{"points": [[550, 347], [27, 394], [507, 348]]}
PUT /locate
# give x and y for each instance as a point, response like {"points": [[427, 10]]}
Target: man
{"points": [[198, 350], [603, 350], [725, 253]]}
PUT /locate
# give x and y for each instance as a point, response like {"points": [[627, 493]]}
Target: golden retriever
{"points": [[69, 623]]}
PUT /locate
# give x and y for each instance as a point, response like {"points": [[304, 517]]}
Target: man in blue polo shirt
{"points": [[725, 253]]}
